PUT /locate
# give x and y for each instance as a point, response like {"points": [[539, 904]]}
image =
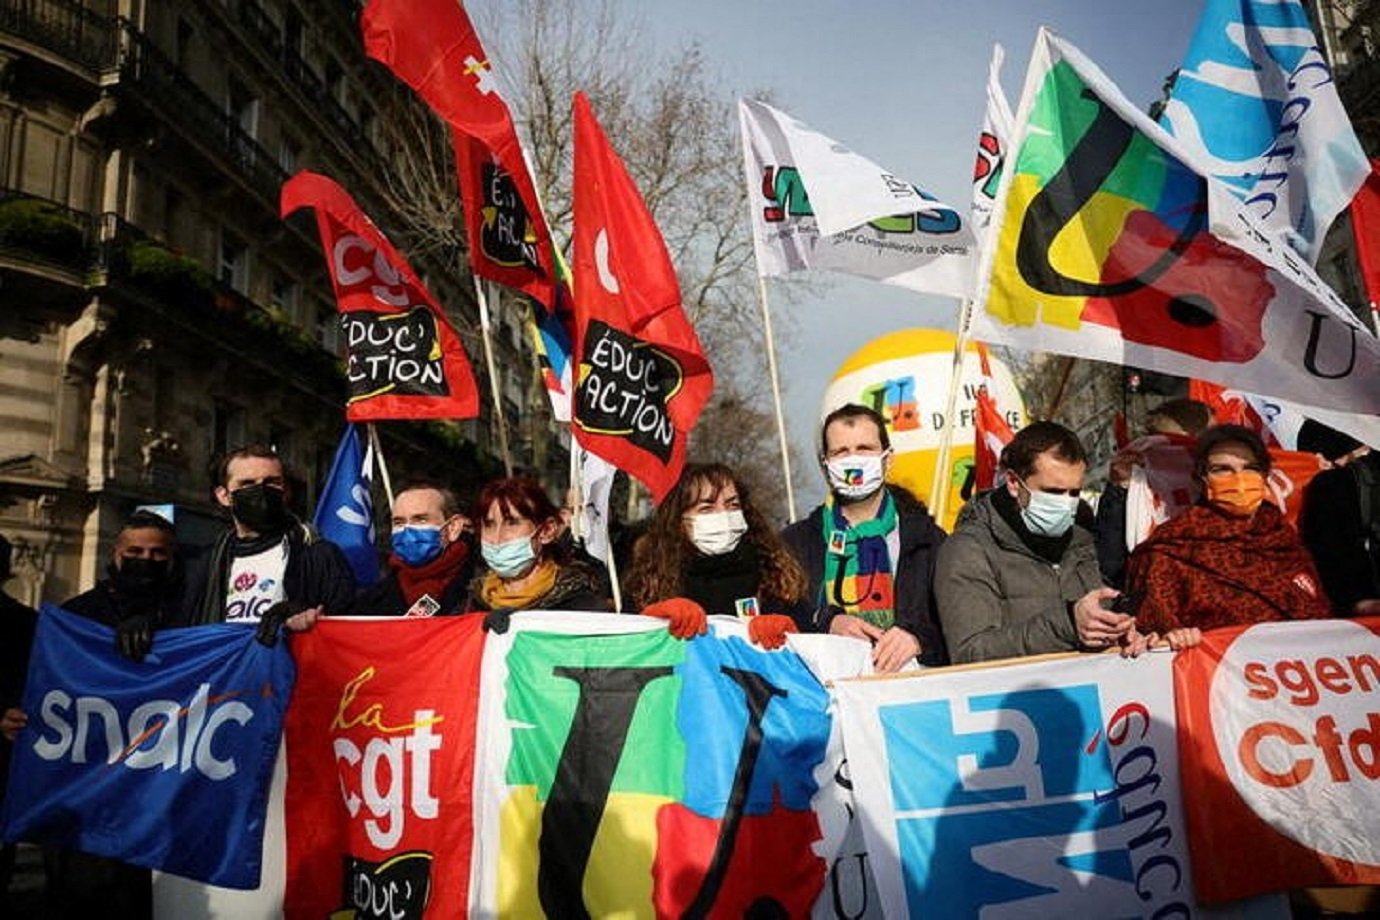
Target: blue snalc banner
{"points": [[163, 763]]}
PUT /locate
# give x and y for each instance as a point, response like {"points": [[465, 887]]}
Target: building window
{"points": [[289, 152], [335, 80], [164, 405], [292, 30], [182, 53], [227, 429], [174, 215], [328, 328], [283, 296], [242, 107], [234, 262]]}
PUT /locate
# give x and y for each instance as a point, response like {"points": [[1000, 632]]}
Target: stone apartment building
{"points": [[154, 309]]}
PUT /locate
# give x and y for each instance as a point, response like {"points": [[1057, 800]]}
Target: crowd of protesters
{"points": [[1028, 569]]}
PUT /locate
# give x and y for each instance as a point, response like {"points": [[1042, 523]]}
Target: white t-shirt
{"points": [[256, 583]]}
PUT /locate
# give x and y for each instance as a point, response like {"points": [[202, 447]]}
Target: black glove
{"points": [[496, 621], [271, 623], [134, 635]]}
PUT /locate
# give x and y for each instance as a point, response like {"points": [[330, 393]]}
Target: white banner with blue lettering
{"points": [[163, 763], [1042, 789]]}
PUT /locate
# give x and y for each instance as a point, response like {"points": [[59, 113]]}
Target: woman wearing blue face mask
{"points": [[527, 569]]}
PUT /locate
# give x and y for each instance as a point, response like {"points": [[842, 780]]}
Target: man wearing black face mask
{"points": [[140, 592], [139, 595], [269, 569]]}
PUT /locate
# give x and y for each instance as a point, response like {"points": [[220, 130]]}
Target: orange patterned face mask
{"points": [[1238, 493]]}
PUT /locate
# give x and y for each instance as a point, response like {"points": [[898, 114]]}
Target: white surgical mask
{"points": [[856, 476], [717, 532], [1047, 514]]}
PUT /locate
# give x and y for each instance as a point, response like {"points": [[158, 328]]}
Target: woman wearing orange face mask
{"points": [[1228, 560]]}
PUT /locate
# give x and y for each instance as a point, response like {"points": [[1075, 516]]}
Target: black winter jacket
{"points": [[912, 581], [317, 574]]}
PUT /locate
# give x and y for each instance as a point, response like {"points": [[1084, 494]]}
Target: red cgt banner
{"points": [[380, 757], [404, 360], [1279, 755]]}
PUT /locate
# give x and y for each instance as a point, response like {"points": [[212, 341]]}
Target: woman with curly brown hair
{"points": [[709, 551]]}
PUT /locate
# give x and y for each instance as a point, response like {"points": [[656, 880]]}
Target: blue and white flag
{"points": [[1256, 105], [345, 510], [163, 763]]}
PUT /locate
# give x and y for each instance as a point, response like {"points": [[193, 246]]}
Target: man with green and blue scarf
{"points": [[869, 551]]}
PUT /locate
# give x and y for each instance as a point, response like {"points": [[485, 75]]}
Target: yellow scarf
{"points": [[521, 594]]}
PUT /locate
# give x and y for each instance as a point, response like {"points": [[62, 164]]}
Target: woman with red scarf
{"points": [[1230, 559]]}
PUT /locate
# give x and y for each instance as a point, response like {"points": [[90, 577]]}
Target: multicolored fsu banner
{"points": [[1047, 789], [625, 772], [380, 743], [1281, 733]]}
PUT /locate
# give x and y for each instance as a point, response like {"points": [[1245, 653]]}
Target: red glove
{"points": [[687, 618], [769, 629]]}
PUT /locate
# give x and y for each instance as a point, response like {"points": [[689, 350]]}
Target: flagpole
{"points": [[939, 487], [481, 294], [776, 395], [577, 496], [383, 467], [613, 574]]}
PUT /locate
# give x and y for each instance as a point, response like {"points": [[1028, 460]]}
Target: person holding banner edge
{"points": [[1229, 559], [526, 567], [268, 569], [432, 562], [1018, 576], [869, 551], [709, 551]]}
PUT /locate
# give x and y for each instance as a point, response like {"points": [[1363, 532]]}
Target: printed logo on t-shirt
{"points": [[256, 583]]}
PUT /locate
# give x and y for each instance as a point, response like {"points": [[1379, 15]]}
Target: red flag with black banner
{"points": [[642, 376], [432, 46], [380, 757], [404, 360]]}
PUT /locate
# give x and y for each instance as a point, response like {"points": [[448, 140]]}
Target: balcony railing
{"points": [[172, 94], [39, 230], [64, 27]]}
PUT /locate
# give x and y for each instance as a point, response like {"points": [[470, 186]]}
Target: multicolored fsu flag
{"points": [[1256, 107], [627, 773], [163, 763], [380, 752], [643, 377], [1278, 729], [432, 47], [1107, 245], [403, 358]]}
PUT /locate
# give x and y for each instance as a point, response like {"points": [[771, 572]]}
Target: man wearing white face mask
{"points": [[1019, 576], [869, 551]]}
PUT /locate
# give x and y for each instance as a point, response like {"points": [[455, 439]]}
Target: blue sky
{"points": [[903, 83]]}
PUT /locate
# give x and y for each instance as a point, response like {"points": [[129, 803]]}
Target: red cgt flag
{"points": [[642, 377], [404, 359], [432, 47]]}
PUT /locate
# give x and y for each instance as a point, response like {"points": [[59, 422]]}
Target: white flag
{"points": [[596, 480], [857, 218], [992, 143]]}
